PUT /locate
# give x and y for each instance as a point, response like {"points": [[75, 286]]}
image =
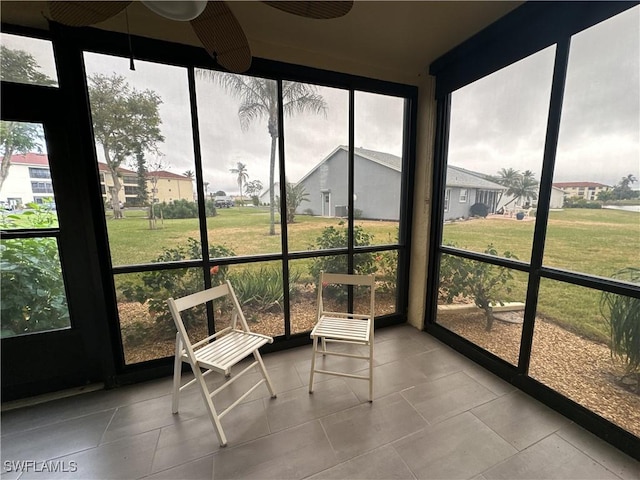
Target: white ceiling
{"points": [[389, 40]]}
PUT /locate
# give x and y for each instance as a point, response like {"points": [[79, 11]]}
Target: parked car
{"points": [[223, 202]]}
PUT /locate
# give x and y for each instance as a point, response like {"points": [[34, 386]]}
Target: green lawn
{"points": [[597, 242]]}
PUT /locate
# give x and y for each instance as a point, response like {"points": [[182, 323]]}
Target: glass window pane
{"points": [[303, 280], [574, 354], [379, 130], [597, 164], [483, 303], [146, 325], [33, 293], [317, 165], [142, 128], [496, 144], [384, 265], [27, 60], [27, 198], [238, 118], [260, 291]]}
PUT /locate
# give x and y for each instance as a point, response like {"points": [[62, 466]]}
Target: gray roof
{"points": [[456, 176], [460, 177]]}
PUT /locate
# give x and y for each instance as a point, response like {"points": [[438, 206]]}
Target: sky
{"points": [[497, 122]]}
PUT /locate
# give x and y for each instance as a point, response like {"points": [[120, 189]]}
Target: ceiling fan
{"points": [[212, 21]]}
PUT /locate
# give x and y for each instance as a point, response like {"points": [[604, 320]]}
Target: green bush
{"points": [[33, 294], [332, 237], [182, 209], [155, 287], [576, 202], [622, 313], [479, 210], [261, 290], [484, 283]]}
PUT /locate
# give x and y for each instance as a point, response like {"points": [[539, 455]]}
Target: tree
{"points": [[259, 99], [125, 122], [519, 185], [18, 137], [253, 189], [155, 167], [486, 284], [295, 196], [220, 193], [243, 176], [143, 196], [20, 67], [189, 174], [622, 191]]}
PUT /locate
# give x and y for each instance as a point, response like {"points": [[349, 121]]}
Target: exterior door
{"points": [[51, 311]]}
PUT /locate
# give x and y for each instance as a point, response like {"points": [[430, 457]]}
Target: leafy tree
{"points": [[253, 189], [141, 164], [220, 193], [519, 185], [486, 284], [125, 122], [20, 67], [18, 137], [259, 99], [622, 313], [243, 176], [295, 196], [622, 191]]}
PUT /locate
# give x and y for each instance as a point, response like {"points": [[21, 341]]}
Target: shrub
{"points": [[622, 313], [576, 202], [33, 294], [486, 284], [155, 287], [183, 209], [308, 211], [479, 210], [332, 237]]}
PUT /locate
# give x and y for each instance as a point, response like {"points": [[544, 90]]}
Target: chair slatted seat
{"points": [[343, 327]]}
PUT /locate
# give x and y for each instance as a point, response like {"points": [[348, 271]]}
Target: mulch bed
{"points": [[578, 368]]}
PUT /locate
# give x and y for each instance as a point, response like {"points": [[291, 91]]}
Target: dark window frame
{"points": [[528, 29]]}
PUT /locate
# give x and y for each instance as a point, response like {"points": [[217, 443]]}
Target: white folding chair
{"points": [[343, 327], [216, 353]]}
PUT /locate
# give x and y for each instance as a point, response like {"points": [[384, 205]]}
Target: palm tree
{"points": [[525, 187], [507, 176], [189, 174], [243, 176], [259, 99]]}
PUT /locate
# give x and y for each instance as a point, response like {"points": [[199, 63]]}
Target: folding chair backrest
{"points": [[179, 305], [347, 279]]}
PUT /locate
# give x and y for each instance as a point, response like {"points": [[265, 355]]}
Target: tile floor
{"points": [[435, 415]]}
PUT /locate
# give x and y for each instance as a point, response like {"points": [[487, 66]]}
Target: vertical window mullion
{"points": [[544, 199]]}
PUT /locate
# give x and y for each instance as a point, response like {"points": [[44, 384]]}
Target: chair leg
{"points": [[177, 375], [213, 415], [371, 372], [313, 363], [258, 357], [324, 346]]}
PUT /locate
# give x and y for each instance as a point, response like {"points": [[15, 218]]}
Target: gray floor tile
{"points": [[123, 459], [489, 380], [196, 437], [460, 447], [359, 429], [613, 459], [447, 396], [56, 440], [439, 362], [294, 453], [392, 350], [520, 419], [200, 469], [383, 463], [298, 406], [551, 458], [388, 378]]}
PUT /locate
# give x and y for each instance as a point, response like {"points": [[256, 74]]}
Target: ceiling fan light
{"points": [[176, 10]]}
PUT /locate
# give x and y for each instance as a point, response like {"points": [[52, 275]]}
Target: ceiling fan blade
{"points": [[82, 14], [222, 37], [320, 10]]}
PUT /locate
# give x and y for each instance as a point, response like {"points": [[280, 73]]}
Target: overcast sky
{"points": [[497, 122]]}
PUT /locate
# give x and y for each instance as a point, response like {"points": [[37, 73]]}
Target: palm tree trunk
{"points": [[272, 200]]}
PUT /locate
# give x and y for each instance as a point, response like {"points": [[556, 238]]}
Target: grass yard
{"points": [[597, 242], [245, 230]]}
